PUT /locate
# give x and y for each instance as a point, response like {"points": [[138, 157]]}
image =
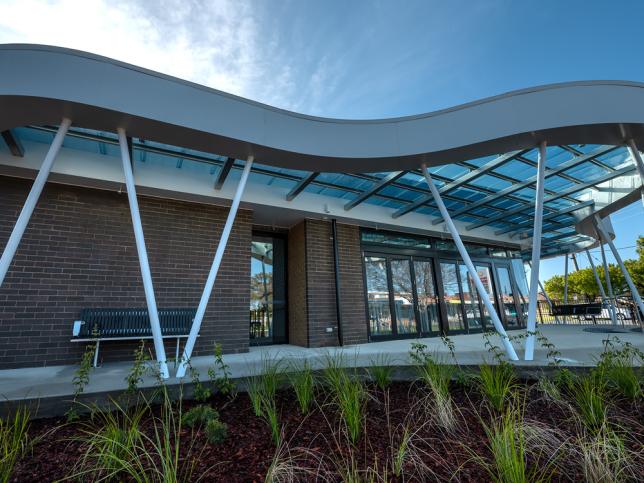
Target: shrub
{"points": [[497, 383], [199, 416], [14, 441], [216, 431], [200, 392], [616, 368], [302, 382], [220, 374]]}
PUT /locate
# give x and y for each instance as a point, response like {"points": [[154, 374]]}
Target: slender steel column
{"points": [[212, 276], [638, 161], [602, 292], [545, 294], [142, 252], [609, 285], [32, 199], [618, 258], [509, 349], [536, 254]]}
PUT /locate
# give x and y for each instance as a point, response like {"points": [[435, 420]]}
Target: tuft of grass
{"points": [[262, 390], [437, 378], [348, 394], [497, 383], [301, 380], [401, 453], [254, 388], [216, 431], [604, 458], [616, 368], [590, 401], [14, 441], [199, 416], [381, 370]]}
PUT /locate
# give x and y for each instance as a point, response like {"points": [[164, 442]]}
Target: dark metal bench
{"points": [[96, 325], [577, 309]]}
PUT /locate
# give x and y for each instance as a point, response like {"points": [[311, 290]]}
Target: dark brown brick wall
{"points": [[79, 252], [312, 301], [296, 266]]}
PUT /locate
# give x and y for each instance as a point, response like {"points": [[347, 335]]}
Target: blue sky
{"points": [[355, 59]]}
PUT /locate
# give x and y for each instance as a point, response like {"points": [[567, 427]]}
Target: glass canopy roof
{"points": [[496, 191]]}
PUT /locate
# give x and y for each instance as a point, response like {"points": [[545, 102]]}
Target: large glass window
{"points": [[378, 295], [452, 297], [522, 286], [485, 275], [403, 297], [267, 290], [426, 296], [506, 292]]}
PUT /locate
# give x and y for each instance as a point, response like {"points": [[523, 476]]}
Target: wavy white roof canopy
{"points": [[41, 84]]}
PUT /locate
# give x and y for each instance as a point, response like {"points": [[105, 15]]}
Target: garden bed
{"points": [[395, 431]]}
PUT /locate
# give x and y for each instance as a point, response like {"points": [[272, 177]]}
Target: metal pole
{"points": [[153, 313], [536, 254], [602, 292], [638, 161], [509, 349], [32, 199], [565, 285], [212, 276], [618, 258], [609, 285]]}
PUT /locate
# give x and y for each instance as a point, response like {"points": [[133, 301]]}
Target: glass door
{"points": [[426, 297], [377, 285], [268, 290], [507, 297], [403, 296], [452, 297]]}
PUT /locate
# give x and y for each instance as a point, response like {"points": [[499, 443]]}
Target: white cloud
{"points": [[212, 43]]}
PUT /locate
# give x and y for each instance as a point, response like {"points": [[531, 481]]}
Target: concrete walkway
{"points": [[577, 347]]}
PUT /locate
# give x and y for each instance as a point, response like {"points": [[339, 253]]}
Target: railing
{"points": [[626, 311]]}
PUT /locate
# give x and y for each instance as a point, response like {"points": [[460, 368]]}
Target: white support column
{"points": [[618, 258], [602, 292], [32, 199], [212, 276], [609, 285], [565, 300], [536, 254], [153, 313], [638, 161], [509, 349]]}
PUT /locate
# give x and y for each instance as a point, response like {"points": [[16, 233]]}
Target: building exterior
{"points": [[338, 238]]}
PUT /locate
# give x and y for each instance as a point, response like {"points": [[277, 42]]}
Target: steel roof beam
{"points": [[595, 161], [13, 143], [223, 173], [527, 226], [299, 187], [385, 181], [566, 192], [530, 181]]}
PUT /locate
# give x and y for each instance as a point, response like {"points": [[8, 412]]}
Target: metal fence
{"points": [[626, 313]]}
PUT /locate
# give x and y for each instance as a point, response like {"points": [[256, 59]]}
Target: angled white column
{"points": [[536, 254], [153, 313], [32, 199], [602, 292], [638, 161], [609, 285], [212, 276], [618, 258], [509, 349]]}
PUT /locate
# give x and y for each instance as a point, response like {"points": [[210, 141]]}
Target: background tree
{"points": [[582, 283]]}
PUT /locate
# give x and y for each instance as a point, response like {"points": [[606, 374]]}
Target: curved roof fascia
{"points": [[41, 84]]}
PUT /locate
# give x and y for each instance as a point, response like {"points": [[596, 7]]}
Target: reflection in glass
{"points": [[261, 290], [522, 286], [470, 299], [378, 295], [426, 294], [486, 279], [507, 297], [452, 297], [403, 297]]}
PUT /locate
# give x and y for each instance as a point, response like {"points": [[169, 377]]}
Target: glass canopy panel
{"points": [[516, 169]]}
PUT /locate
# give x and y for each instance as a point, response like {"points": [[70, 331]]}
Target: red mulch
{"points": [[247, 453]]}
